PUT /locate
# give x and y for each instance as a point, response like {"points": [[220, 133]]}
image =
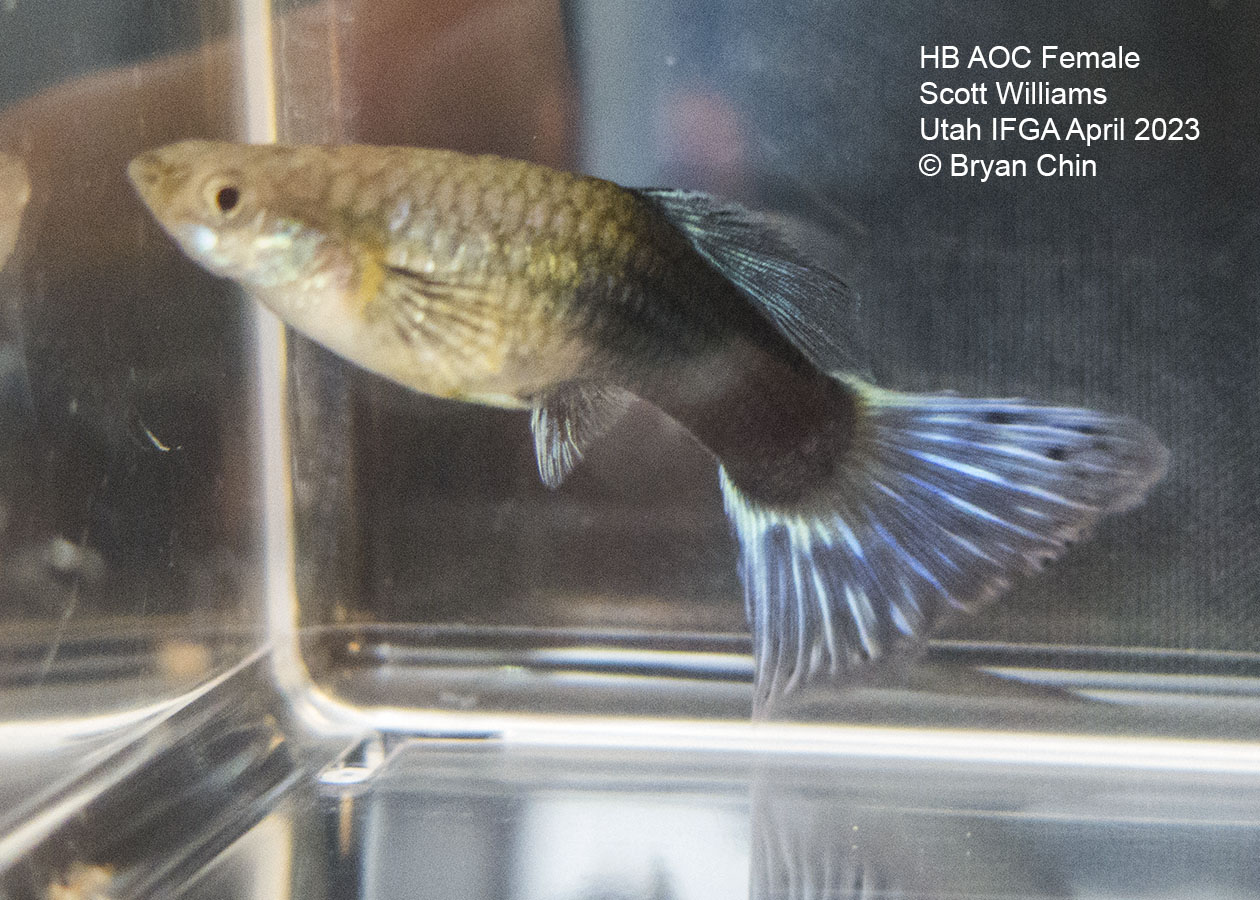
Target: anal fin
{"points": [[567, 420]]}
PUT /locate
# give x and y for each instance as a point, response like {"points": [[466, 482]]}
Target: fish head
{"points": [[220, 203], [15, 193]]}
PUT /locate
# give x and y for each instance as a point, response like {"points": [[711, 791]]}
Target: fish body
{"points": [[471, 278], [864, 516], [15, 192]]}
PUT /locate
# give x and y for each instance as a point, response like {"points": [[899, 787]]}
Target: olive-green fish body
{"points": [[864, 517], [472, 278]]}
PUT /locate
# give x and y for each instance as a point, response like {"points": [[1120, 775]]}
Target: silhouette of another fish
{"points": [[15, 191], [864, 516]]}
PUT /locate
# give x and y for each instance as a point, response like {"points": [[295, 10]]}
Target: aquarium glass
{"points": [[1098, 256], [351, 630], [130, 557]]}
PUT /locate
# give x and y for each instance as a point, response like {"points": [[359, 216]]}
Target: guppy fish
{"points": [[863, 516], [15, 191]]}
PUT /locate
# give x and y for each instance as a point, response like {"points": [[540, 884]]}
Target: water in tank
{"points": [[852, 493]]}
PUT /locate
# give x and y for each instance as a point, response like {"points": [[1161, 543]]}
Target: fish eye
{"points": [[227, 198], [223, 195]]}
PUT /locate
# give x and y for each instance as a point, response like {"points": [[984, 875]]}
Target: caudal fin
{"points": [[939, 503]]}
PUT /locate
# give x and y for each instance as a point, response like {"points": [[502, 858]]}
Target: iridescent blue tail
{"points": [[939, 503]]}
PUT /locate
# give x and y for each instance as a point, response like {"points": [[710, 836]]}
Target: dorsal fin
{"points": [[810, 306]]}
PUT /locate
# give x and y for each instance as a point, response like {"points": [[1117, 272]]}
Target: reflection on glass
{"points": [[127, 521], [458, 822]]}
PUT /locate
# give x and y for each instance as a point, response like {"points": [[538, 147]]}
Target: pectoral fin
{"points": [[440, 311]]}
